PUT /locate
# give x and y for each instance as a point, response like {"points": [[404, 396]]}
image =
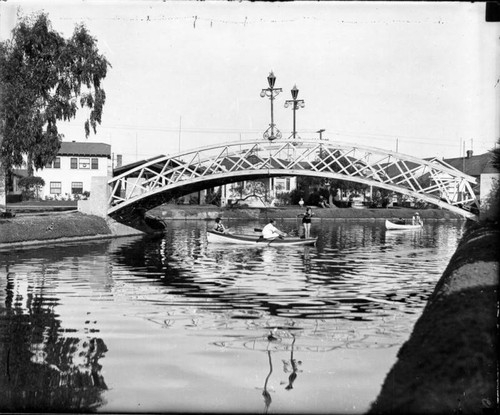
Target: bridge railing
{"points": [[429, 180]]}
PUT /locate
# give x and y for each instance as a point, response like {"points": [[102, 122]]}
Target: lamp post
{"points": [[272, 133], [320, 132], [296, 104]]}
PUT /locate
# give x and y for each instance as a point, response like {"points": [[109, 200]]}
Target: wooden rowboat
{"points": [[395, 226], [217, 237]]}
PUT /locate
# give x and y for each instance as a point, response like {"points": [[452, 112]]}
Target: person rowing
{"points": [[271, 232]]}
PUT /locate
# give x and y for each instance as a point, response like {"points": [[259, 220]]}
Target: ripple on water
{"points": [[178, 308]]}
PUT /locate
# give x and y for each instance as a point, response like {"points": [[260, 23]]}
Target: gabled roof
{"points": [[83, 148], [473, 165], [122, 169]]}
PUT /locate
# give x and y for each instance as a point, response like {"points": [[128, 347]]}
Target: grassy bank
{"points": [[51, 226], [175, 212]]}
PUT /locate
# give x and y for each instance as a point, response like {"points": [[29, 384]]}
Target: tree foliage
{"points": [[31, 185], [310, 188], [45, 78]]}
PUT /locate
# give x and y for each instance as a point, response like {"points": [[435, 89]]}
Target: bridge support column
{"points": [[3, 189], [97, 203]]}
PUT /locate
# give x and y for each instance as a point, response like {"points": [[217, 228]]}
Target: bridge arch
{"points": [[164, 178]]}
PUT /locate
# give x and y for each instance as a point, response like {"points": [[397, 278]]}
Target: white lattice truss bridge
{"points": [[431, 181]]}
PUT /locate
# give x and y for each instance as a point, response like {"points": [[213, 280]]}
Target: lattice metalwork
{"points": [[431, 181]]}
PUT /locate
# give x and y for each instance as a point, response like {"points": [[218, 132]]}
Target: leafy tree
{"points": [[43, 78], [213, 197], [31, 186]]}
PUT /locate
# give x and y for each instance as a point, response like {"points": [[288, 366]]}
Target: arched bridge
{"points": [[164, 178]]}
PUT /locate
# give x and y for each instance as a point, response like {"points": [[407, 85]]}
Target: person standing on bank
{"points": [[306, 222]]}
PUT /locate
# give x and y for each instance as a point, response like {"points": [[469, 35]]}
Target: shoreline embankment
{"points": [[450, 362]]}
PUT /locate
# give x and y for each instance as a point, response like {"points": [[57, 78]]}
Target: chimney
{"points": [[118, 160], [469, 154]]}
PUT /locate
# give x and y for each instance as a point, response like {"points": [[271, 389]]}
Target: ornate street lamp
{"points": [[272, 133], [320, 132], [296, 104]]}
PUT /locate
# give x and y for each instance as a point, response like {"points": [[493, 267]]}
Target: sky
{"points": [[415, 77]]}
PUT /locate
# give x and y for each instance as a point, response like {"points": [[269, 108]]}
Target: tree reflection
{"points": [[265, 393], [294, 366], [41, 370], [288, 366]]}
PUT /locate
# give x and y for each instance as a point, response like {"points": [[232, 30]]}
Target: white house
{"points": [[71, 172], [261, 190]]}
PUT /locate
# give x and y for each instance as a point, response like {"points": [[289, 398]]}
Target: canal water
{"points": [[175, 324]]}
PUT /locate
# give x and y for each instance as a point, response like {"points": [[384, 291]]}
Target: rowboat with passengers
{"points": [[396, 225], [218, 237]]}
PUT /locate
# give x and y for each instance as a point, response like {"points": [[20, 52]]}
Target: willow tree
{"points": [[45, 79]]}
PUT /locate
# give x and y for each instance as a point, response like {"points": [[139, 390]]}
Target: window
{"points": [[56, 164], [76, 188], [84, 163], [74, 163], [55, 188], [95, 164], [287, 186]]}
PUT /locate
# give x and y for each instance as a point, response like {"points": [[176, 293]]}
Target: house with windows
{"points": [[70, 174]]}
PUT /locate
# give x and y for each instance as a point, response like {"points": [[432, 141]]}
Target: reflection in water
{"points": [[44, 367], [294, 365], [357, 272], [288, 366], [169, 311], [265, 393]]}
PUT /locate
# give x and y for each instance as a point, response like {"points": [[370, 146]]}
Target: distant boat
{"points": [[217, 237], [394, 226]]}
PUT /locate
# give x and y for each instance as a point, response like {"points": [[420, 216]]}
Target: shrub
{"points": [[284, 198], [295, 196], [490, 206], [31, 186], [213, 198]]}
